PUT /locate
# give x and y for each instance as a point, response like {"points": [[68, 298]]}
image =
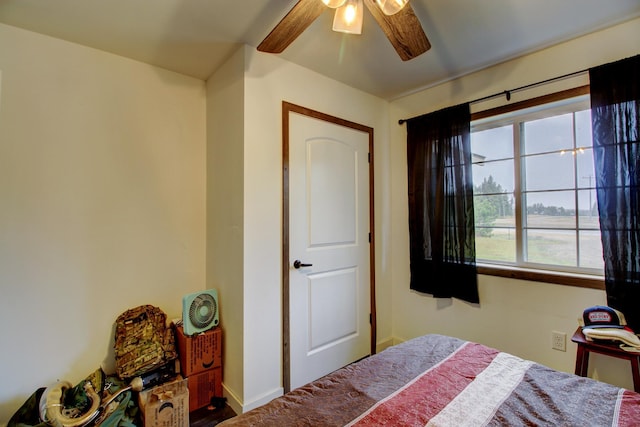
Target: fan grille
{"points": [[203, 310]]}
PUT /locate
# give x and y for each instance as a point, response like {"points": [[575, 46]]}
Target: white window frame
{"points": [[558, 103]]}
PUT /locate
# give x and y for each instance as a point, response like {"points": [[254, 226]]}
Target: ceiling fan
{"points": [[396, 18]]}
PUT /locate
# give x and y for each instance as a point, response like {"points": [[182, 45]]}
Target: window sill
{"points": [[569, 279]]}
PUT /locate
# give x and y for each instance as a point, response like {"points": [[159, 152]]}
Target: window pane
{"points": [[493, 177], [553, 209], [583, 129], [496, 244], [586, 171], [588, 218], [549, 172], [591, 249], [549, 134], [494, 211], [554, 247], [492, 144]]}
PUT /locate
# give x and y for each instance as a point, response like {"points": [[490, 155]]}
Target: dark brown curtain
{"points": [[615, 117], [441, 227]]}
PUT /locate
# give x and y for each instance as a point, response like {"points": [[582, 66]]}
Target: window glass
{"points": [[553, 171], [550, 209], [590, 248], [496, 244], [493, 177], [553, 133], [585, 170], [492, 144], [494, 210], [551, 247], [588, 209], [583, 128]]}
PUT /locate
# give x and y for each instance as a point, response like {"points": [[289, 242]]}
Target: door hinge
{"points": [[369, 237], [370, 318], [369, 157]]}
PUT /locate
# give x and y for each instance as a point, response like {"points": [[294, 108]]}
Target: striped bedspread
{"points": [[442, 381]]}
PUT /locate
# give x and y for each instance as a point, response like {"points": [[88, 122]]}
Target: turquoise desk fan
{"points": [[200, 311]]}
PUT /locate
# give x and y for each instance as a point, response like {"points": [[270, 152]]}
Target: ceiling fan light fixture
{"points": [[403, 30], [333, 4], [348, 18], [391, 7]]}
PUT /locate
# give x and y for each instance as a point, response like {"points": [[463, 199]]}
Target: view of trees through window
{"points": [[534, 190], [489, 209]]}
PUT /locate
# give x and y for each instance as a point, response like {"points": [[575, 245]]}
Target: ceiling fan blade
{"points": [[403, 30], [292, 25]]}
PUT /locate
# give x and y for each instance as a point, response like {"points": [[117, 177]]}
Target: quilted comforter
{"points": [[436, 380]]}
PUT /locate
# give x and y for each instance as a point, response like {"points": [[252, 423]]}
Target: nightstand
{"points": [[602, 347]]}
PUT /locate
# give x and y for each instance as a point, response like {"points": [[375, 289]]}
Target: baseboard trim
{"points": [[240, 408], [261, 400], [232, 399]]}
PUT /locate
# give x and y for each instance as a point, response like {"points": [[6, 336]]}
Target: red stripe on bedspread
{"points": [[430, 392], [629, 413]]}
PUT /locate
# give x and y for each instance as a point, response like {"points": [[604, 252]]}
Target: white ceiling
{"points": [[194, 37]]}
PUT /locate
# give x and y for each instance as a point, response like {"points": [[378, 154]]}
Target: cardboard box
{"points": [[203, 386], [198, 353], [166, 405]]}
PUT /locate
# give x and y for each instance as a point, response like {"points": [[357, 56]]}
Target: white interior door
{"points": [[329, 225]]}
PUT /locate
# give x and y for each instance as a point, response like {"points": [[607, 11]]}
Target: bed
{"points": [[435, 380]]}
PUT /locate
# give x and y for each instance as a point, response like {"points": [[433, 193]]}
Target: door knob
{"points": [[297, 264]]}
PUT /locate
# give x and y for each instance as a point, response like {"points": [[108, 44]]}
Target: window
{"points": [[534, 189]]}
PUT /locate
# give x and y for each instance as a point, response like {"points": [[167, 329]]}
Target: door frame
{"points": [[288, 108]]}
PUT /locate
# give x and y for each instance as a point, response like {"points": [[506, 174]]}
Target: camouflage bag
{"points": [[142, 341]]}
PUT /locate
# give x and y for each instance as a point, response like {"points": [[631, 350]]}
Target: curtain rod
{"points": [[507, 93]]}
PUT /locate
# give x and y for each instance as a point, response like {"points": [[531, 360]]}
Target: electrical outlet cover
{"points": [[559, 341]]}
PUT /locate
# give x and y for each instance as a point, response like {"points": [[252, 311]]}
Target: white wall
{"points": [[102, 204], [514, 316], [268, 81], [225, 213]]}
